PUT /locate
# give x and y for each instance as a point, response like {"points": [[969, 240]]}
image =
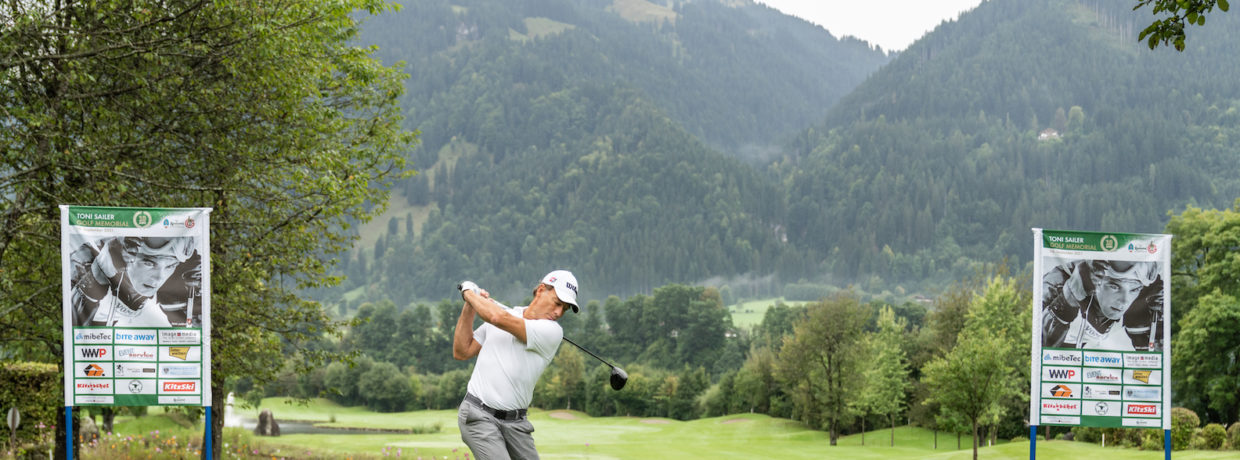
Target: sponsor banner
{"points": [[136, 386], [1102, 359], [181, 400], [92, 336], [93, 387], [180, 337], [180, 353], [1061, 390], [179, 387], [92, 352], [1142, 377], [135, 336], [1060, 420], [1143, 360], [93, 370], [1142, 409], [136, 354], [1138, 393], [81, 400], [136, 370], [1100, 375], [1061, 407], [1092, 391], [113, 355], [1061, 374], [1102, 408], [180, 371], [1142, 422], [1111, 372], [1061, 357]]}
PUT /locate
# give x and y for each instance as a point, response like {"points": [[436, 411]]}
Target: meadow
{"points": [[564, 434]]}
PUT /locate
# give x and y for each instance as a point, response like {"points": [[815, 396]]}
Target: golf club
{"points": [[618, 376]]}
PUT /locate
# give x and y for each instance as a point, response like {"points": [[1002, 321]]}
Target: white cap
{"points": [[565, 285]]}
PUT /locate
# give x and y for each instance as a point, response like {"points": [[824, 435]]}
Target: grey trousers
{"points": [[493, 439]]}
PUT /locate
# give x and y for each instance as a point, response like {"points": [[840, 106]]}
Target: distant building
{"points": [[1048, 134]]}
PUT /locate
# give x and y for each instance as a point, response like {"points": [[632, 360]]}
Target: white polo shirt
{"points": [[507, 370]]}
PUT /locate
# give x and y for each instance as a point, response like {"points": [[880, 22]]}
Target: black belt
{"points": [[517, 414]]}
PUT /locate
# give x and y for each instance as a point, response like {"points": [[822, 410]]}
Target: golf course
{"points": [[565, 434]]}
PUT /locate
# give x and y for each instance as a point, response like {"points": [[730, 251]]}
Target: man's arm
{"points": [[492, 313], [463, 344]]}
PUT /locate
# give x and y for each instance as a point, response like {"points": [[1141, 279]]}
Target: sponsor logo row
{"points": [[1102, 359], [110, 336], [1132, 422], [107, 370], [1102, 375], [137, 387], [110, 400], [134, 353], [1093, 391], [1101, 408]]}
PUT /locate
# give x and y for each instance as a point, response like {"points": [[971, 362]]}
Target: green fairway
{"points": [[574, 435], [748, 314]]}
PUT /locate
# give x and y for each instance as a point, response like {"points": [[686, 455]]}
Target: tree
{"points": [[1204, 277], [1170, 30], [972, 380], [886, 378], [268, 115], [819, 363], [1205, 353]]}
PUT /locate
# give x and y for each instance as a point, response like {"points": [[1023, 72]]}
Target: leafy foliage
{"points": [[1170, 30]]}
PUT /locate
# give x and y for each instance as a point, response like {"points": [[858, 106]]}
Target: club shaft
{"points": [[588, 352]]}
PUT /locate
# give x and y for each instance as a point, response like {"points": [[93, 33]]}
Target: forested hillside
{"points": [[1021, 114], [624, 140], [617, 139]]}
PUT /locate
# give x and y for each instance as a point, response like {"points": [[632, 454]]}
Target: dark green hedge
{"points": [[35, 389]]}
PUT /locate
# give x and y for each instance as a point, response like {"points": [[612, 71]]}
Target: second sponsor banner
{"points": [[1100, 338], [136, 305]]}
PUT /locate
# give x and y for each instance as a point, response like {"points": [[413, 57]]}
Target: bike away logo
{"points": [[178, 387]]}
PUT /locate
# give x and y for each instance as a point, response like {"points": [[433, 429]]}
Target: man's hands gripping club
{"points": [[478, 300]]}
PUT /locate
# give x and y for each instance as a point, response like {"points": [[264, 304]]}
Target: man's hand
{"points": [[1078, 286], [110, 263], [468, 286]]}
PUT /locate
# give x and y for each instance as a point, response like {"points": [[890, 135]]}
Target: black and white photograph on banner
{"points": [[1102, 304], [147, 281]]}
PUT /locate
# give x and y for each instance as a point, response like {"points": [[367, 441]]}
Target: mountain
{"points": [[1018, 115], [625, 140], [618, 139]]}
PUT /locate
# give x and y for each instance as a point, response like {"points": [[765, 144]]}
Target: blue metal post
{"points": [[1033, 442], [206, 439], [69, 432], [1167, 443]]}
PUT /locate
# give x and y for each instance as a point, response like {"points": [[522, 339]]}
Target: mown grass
{"points": [[575, 435]]}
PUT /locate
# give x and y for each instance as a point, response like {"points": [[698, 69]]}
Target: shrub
{"points": [[1184, 423], [1213, 436], [1087, 434], [1233, 436], [1152, 441], [35, 389]]}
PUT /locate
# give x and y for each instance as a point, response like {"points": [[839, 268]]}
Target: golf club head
{"points": [[618, 378]]}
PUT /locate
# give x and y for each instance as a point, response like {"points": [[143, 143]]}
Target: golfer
{"points": [[513, 347]]}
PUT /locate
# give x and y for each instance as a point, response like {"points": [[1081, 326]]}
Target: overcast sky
{"points": [[891, 24]]}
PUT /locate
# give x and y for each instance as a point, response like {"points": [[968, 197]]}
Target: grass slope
{"points": [[574, 435]]}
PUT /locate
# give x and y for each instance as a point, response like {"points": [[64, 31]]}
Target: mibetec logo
{"points": [[1061, 357], [92, 336]]}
